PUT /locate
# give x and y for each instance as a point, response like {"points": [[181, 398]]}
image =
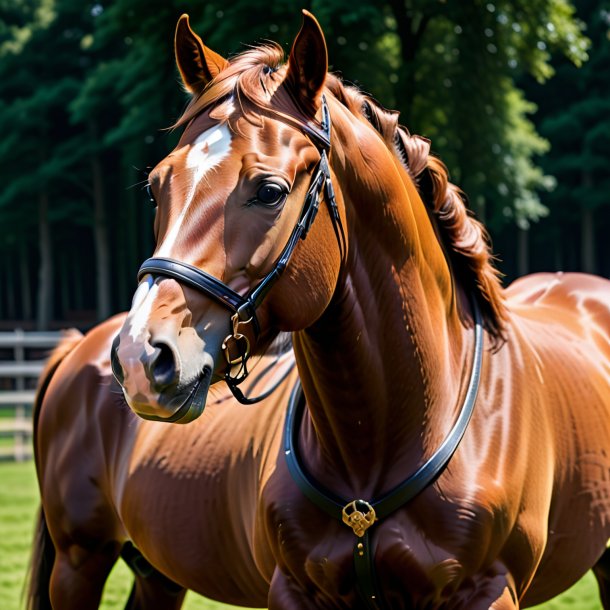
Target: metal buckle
{"points": [[359, 515], [236, 343]]}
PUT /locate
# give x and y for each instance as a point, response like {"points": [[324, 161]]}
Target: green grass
{"points": [[18, 503], [584, 595], [10, 412]]}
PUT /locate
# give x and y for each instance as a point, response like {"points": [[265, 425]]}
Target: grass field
{"points": [[18, 503]]}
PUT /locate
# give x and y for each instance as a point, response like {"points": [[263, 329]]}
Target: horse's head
{"points": [[238, 196], [234, 200]]}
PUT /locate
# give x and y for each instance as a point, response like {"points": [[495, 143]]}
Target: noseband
{"points": [[236, 345]]}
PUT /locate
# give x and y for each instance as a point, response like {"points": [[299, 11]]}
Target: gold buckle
{"points": [[236, 343], [359, 515]]}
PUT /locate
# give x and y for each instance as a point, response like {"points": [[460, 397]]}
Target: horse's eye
{"points": [[270, 193]]}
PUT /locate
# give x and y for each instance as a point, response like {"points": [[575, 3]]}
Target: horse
{"points": [[445, 446], [113, 484]]}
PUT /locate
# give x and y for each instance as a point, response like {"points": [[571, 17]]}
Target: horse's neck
{"points": [[382, 371]]}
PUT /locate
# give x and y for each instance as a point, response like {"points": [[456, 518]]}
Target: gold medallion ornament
{"points": [[359, 515]]}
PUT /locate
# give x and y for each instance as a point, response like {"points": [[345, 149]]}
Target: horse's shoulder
{"points": [[79, 369], [94, 348]]}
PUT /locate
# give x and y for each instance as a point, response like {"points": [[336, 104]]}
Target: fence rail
{"points": [[20, 398]]}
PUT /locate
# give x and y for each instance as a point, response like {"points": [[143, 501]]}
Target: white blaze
{"points": [[207, 151], [141, 307]]}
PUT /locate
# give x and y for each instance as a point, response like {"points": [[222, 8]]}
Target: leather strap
{"points": [[247, 305], [247, 400], [424, 476], [198, 279], [244, 307], [366, 577]]}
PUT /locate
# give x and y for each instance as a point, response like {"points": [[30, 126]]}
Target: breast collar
{"points": [[360, 515]]}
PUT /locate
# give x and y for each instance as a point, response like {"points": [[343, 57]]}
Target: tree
{"points": [[87, 89], [457, 83], [125, 101], [452, 69], [575, 117], [36, 92]]}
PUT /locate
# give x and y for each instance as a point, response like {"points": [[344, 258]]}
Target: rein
{"points": [[236, 345], [360, 514]]}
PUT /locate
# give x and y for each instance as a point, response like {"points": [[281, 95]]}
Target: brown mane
{"points": [[254, 80], [465, 239]]}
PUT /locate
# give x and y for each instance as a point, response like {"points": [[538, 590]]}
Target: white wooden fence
{"points": [[21, 397]]}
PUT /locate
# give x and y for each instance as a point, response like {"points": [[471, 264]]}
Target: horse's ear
{"points": [[198, 65], [308, 64]]}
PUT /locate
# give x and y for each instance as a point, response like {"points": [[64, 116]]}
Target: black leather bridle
{"points": [[236, 345]]}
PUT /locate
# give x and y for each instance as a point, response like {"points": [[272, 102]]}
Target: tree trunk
{"points": [[77, 274], [24, 272], [410, 27], [100, 233], [587, 241], [558, 255], [10, 293], [45, 274], [587, 229], [127, 233], [522, 251], [64, 285]]}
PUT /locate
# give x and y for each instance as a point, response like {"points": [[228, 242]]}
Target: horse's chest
{"points": [[410, 569], [422, 558], [404, 580]]}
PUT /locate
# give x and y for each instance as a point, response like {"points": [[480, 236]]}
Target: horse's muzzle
{"points": [[152, 389]]}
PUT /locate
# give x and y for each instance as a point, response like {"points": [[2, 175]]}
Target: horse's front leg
{"points": [[507, 601], [285, 594], [494, 593]]}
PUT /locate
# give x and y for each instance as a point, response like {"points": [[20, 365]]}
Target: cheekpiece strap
{"points": [[236, 345]]}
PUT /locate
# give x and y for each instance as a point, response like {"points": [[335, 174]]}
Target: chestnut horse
{"points": [[295, 203], [109, 480]]}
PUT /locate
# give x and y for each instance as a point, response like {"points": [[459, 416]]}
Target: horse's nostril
{"points": [[162, 366], [117, 369]]}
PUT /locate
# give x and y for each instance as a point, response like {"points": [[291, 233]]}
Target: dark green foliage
{"points": [[90, 87], [574, 115]]}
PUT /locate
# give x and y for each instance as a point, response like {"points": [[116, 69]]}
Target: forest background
{"points": [[515, 96]]}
